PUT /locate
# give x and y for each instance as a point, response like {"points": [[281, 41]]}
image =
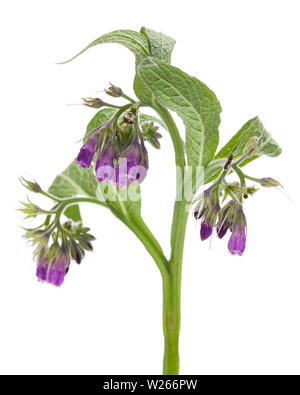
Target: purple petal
{"points": [[55, 276], [221, 232], [41, 270], [205, 230], [128, 171], [86, 154], [237, 241], [104, 169], [57, 271]]}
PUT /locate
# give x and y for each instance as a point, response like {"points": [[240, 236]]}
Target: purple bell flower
{"points": [[104, 169], [53, 273], [221, 232], [133, 166], [57, 271], [205, 230], [42, 268], [237, 241], [86, 153], [226, 217]]}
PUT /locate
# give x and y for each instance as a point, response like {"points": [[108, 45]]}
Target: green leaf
{"points": [[193, 101], [252, 128], [74, 181], [134, 41], [236, 145], [73, 212], [161, 46]]}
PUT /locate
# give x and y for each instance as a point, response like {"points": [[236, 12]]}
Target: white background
{"points": [[239, 314]]}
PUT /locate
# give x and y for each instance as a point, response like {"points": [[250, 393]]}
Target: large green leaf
{"points": [[252, 128], [134, 41], [192, 100], [161, 46], [74, 181]]}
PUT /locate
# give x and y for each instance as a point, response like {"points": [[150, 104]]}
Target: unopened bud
{"points": [[31, 186], [113, 91], [151, 135], [93, 102], [128, 120], [77, 253], [32, 210], [269, 182]]}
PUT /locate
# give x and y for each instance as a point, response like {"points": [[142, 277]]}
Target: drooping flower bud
{"points": [[114, 91], [104, 169], [207, 209], [203, 203], [57, 271], [86, 154], [205, 230], [53, 269], [93, 102], [209, 221], [42, 268], [237, 241], [198, 211], [269, 182], [133, 164], [31, 186], [226, 217]]}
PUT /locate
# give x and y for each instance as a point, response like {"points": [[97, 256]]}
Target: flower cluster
{"points": [[55, 247], [230, 217], [119, 146], [55, 243]]}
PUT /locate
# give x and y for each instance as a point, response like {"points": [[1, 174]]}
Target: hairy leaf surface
{"points": [[192, 100], [161, 46], [134, 41]]}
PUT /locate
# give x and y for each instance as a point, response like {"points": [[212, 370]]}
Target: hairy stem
{"points": [[139, 228], [240, 174]]}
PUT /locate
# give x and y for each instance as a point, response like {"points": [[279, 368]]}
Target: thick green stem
{"points": [[172, 283], [172, 295]]}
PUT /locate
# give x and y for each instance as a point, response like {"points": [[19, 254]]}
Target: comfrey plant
{"points": [[113, 162]]}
